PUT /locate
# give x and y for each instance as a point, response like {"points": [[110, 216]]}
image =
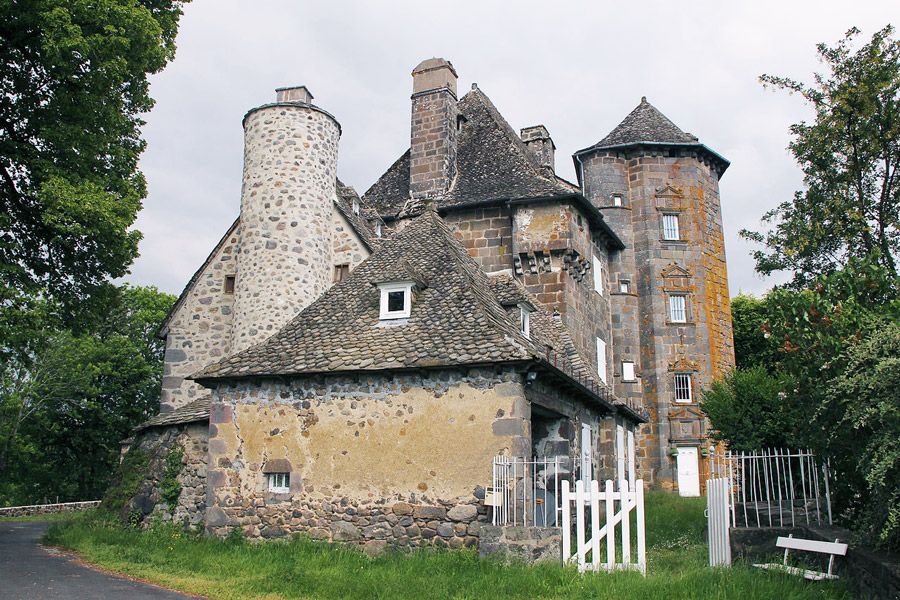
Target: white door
{"points": [[688, 472]]}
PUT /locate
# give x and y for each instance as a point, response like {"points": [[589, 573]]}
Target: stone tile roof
{"points": [[455, 319], [195, 411], [646, 124], [492, 163]]}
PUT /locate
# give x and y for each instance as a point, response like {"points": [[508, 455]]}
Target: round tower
{"points": [[284, 255]]}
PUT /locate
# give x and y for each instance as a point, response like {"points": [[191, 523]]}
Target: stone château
{"points": [[349, 366]]}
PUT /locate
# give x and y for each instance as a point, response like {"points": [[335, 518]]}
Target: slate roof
{"points": [[359, 222], [455, 319], [492, 163], [193, 412]]}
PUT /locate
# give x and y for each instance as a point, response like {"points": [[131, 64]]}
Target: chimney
{"points": [[294, 94], [432, 149], [540, 146]]}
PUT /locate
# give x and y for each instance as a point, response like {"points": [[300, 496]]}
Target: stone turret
{"points": [[284, 259], [433, 132]]}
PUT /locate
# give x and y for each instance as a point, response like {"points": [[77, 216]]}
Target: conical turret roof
{"points": [[646, 124]]}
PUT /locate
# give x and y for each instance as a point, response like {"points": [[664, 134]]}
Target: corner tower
{"points": [[658, 188], [284, 258]]}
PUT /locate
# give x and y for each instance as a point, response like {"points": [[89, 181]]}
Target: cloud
{"points": [[576, 67]]}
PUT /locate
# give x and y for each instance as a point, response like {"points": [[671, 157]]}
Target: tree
{"points": [[850, 156], [752, 343], [748, 410], [73, 84], [63, 414]]}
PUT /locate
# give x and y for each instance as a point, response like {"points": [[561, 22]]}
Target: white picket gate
{"points": [[718, 513], [588, 506]]}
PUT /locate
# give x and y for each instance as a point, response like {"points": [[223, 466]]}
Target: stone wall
{"points": [[521, 544], [287, 200], [199, 330], [486, 234], [157, 442], [347, 249], [47, 509], [359, 448]]}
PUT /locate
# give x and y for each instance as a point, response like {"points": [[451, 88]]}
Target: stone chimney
{"points": [[540, 146], [432, 159], [294, 94]]}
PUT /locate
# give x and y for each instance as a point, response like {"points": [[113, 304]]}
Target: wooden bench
{"points": [[789, 543]]}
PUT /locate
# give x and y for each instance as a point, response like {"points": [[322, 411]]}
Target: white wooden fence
{"points": [[718, 512], [587, 553]]}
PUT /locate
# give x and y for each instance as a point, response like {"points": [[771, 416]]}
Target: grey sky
{"points": [[576, 67]]}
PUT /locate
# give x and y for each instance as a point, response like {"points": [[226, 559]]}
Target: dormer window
{"points": [[355, 206], [525, 320], [396, 300], [378, 230]]}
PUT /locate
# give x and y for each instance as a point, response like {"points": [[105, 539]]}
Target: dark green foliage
{"points": [[749, 411], [169, 488], [126, 481], [752, 343], [865, 400], [67, 403], [73, 84], [850, 156]]}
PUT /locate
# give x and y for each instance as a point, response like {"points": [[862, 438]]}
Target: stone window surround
{"points": [[679, 376], [228, 285], [688, 320], [679, 234], [634, 376], [385, 290]]}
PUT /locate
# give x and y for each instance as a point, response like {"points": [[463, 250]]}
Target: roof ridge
{"points": [[646, 123]]}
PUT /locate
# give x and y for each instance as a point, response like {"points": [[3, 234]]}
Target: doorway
{"points": [[688, 466]]}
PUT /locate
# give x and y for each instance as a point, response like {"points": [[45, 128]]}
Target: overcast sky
{"points": [[576, 67]]}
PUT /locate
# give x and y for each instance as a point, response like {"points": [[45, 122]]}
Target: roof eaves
{"points": [[724, 162]]}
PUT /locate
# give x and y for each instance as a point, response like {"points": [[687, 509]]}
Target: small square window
{"points": [[617, 199], [677, 309], [628, 371], [683, 392], [671, 230], [341, 272], [624, 286], [229, 284], [396, 300], [279, 483]]}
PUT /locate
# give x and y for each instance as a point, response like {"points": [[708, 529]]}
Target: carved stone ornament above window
{"points": [[683, 365]]}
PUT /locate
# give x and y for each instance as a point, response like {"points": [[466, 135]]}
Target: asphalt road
{"points": [[31, 572]]}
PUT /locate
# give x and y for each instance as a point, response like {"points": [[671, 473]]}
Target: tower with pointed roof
{"points": [[658, 189]]}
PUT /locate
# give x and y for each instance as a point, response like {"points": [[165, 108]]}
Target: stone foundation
{"points": [[525, 544]]}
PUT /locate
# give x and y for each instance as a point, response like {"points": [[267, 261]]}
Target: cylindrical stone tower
{"points": [[287, 199]]}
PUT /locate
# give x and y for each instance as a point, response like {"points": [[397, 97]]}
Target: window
{"points": [[601, 359], [677, 309], [525, 320], [683, 387], [598, 275], [341, 272], [628, 371], [355, 206], [617, 199], [378, 231], [279, 483], [670, 227], [229, 284], [396, 300], [624, 286]]}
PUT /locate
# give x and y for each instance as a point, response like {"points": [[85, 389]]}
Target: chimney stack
{"points": [[540, 146], [297, 93], [433, 136]]}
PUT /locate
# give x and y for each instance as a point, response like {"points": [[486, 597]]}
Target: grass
{"points": [[303, 568]]}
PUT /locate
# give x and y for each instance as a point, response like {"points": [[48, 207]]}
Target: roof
{"points": [[193, 412], [359, 222], [647, 126], [455, 319], [492, 164]]}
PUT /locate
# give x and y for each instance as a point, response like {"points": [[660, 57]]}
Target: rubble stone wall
{"points": [[373, 459]]}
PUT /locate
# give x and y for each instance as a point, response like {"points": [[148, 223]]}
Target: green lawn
{"points": [[306, 569]]}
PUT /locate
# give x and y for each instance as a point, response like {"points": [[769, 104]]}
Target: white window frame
{"points": [[671, 227], [278, 483], [378, 230], [617, 200], [598, 274], [684, 382], [525, 320], [355, 206], [386, 289], [601, 359], [624, 286], [678, 309], [628, 371]]}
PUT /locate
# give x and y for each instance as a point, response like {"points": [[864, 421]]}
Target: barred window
{"points": [[677, 309], [683, 387], [670, 227]]}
